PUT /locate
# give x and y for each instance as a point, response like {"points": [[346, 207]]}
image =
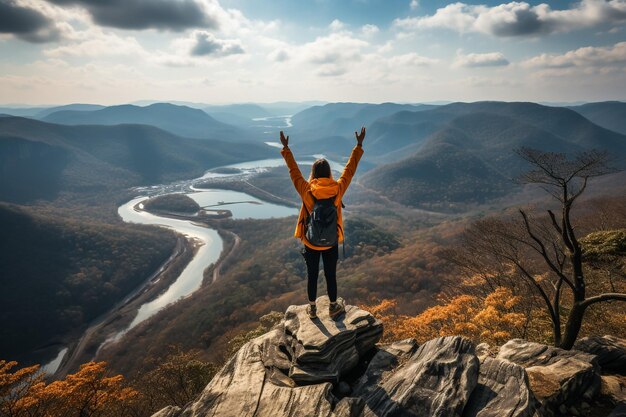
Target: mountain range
{"points": [[180, 120], [464, 152], [39, 159]]}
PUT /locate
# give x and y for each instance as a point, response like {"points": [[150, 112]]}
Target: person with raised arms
{"points": [[320, 225]]}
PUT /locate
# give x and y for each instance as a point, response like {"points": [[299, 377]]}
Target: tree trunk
{"points": [[572, 327]]}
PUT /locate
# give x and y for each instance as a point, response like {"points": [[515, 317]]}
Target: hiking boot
{"points": [[335, 310], [311, 310]]}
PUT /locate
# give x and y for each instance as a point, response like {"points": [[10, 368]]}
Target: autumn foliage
{"points": [[493, 319], [87, 393]]}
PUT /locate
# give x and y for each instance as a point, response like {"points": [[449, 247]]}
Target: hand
{"points": [[359, 138], [284, 140]]}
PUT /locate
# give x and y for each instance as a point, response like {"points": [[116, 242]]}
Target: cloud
{"points": [[175, 15], [492, 59], [336, 25], [279, 55], [411, 59], [369, 30], [518, 18], [590, 56], [332, 55], [207, 44], [414, 4], [98, 44], [26, 23]]}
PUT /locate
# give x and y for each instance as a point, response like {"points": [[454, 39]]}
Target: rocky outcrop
{"points": [[327, 368], [436, 380], [324, 349], [610, 352], [502, 390], [559, 378]]}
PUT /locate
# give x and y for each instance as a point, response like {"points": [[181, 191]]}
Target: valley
{"points": [[209, 265]]}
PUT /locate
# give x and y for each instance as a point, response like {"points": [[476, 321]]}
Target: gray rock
{"points": [[257, 380], [242, 388], [384, 361], [609, 350], [484, 349], [324, 349], [349, 407], [558, 378], [344, 388], [502, 390], [619, 411], [169, 411], [436, 380], [613, 387]]}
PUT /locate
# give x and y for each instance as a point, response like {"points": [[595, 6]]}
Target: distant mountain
{"points": [[180, 120], [38, 159], [22, 111], [339, 118], [608, 114], [76, 106], [249, 111], [284, 108], [464, 153]]}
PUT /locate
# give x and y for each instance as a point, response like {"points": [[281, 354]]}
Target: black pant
{"points": [[312, 258]]}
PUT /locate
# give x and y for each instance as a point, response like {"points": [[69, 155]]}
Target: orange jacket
{"points": [[320, 188]]}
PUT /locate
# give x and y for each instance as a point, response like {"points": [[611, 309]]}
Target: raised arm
{"points": [[350, 168], [298, 180]]}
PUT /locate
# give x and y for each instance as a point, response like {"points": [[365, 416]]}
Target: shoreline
{"points": [[149, 289], [123, 312]]}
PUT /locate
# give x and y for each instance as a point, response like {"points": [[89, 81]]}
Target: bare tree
{"points": [[542, 253]]}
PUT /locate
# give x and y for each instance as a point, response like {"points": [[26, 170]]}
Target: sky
{"points": [[236, 51]]}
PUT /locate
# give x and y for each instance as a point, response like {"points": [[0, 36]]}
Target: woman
{"points": [[321, 185]]}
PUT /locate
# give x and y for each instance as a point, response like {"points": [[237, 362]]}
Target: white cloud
{"points": [[518, 18], [206, 44], [96, 43], [336, 25], [279, 55], [333, 53], [411, 59], [414, 4], [590, 56], [369, 30], [491, 59]]}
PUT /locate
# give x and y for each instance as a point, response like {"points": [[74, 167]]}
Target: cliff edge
{"points": [[327, 368]]}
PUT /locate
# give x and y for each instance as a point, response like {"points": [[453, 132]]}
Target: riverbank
{"points": [[85, 348], [104, 330]]}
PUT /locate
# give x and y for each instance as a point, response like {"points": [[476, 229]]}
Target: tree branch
{"points": [[604, 297], [543, 251]]}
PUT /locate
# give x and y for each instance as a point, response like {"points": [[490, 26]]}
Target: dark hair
{"points": [[320, 169]]}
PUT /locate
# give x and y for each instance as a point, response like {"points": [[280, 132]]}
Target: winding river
{"points": [[210, 244]]}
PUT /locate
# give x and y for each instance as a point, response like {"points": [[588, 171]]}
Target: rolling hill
{"points": [[68, 107], [608, 114], [464, 153], [179, 120], [38, 160], [342, 119]]}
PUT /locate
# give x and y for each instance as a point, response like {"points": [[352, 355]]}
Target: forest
{"points": [[178, 203], [58, 274]]}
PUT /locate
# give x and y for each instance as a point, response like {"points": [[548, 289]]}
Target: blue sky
{"points": [[224, 51]]}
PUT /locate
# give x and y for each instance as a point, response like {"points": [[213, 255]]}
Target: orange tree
{"points": [[87, 393], [493, 319]]}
